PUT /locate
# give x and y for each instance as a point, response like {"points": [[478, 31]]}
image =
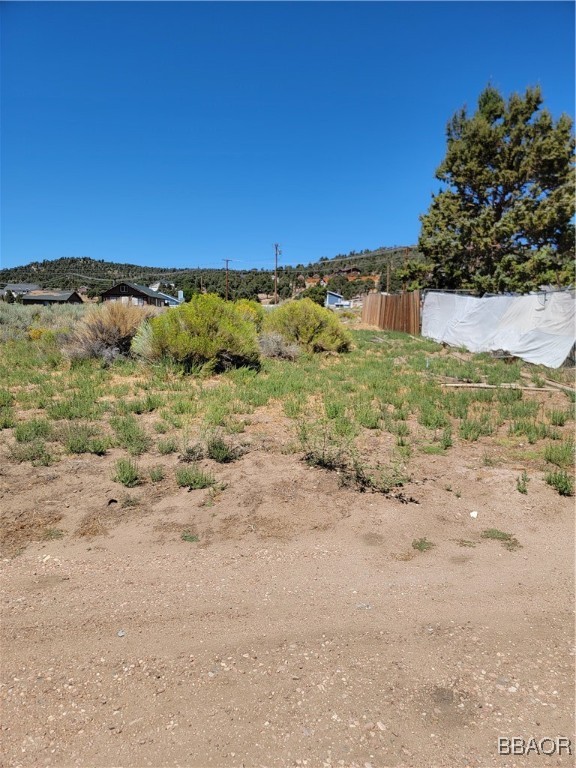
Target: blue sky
{"points": [[179, 134]]}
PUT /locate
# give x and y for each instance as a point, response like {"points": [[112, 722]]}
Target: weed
{"points": [[7, 418], [471, 429], [446, 440], [51, 534], [522, 483], [130, 501], [561, 481], [192, 453], [323, 448], [561, 454], [422, 545], [194, 478], [148, 404], [430, 416], [127, 473], [167, 446], [334, 409], [434, 449], [35, 451], [558, 418], [508, 540], [6, 398], [106, 332], [78, 439], [190, 537], [219, 450], [161, 427], [183, 405], [465, 543], [292, 407], [130, 435], [33, 429], [98, 446], [156, 474], [402, 429], [273, 345]]}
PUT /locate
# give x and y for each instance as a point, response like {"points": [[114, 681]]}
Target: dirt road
{"points": [[301, 629]]}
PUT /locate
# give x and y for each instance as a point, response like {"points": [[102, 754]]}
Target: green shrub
{"points": [[561, 454], [251, 311], [127, 473], [561, 481], [167, 446], [193, 478], [219, 450], [206, 332], [156, 473], [314, 327]]}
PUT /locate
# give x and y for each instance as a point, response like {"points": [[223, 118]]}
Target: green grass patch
{"points": [[33, 429], [156, 473], [130, 435], [194, 478], [127, 473], [561, 482], [422, 545], [508, 540], [561, 453], [35, 452]]}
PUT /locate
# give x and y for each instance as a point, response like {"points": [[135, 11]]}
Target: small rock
{"points": [[121, 633]]}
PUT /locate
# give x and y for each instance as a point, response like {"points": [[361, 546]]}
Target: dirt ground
{"points": [[301, 628]]}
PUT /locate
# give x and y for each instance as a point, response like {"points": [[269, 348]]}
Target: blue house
{"points": [[334, 299]]}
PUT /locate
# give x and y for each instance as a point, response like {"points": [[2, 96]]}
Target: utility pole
{"points": [[226, 260], [277, 252]]}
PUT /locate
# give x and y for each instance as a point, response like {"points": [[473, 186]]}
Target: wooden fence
{"points": [[396, 312]]}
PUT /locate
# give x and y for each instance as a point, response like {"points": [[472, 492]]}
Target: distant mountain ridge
{"points": [[74, 273]]}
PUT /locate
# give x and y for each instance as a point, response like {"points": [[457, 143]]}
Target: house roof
{"points": [[18, 287], [167, 297], [49, 295], [333, 293], [141, 288]]}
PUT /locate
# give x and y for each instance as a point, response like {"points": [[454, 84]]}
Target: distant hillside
{"points": [[96, 275], [75, 272]]}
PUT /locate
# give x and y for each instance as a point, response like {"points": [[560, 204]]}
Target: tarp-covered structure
{"points": [[538, 328]]}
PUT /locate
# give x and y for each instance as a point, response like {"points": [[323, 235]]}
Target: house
{"points": [[170, 300], [19, 289], [349, 272], [47, 298], [132, 293], [334, 299]]}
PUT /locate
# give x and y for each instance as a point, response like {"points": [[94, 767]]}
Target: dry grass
{"points": [[107, 331]]}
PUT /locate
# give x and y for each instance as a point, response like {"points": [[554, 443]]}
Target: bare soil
{"points": [[302, 628]]}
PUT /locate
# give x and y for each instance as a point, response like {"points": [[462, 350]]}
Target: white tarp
{"points": [[537, 328]]}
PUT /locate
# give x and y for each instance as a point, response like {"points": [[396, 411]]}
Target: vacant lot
{"points": [[339, 561]]}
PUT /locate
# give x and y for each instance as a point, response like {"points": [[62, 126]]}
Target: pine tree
{"points": [[503, 220]]}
